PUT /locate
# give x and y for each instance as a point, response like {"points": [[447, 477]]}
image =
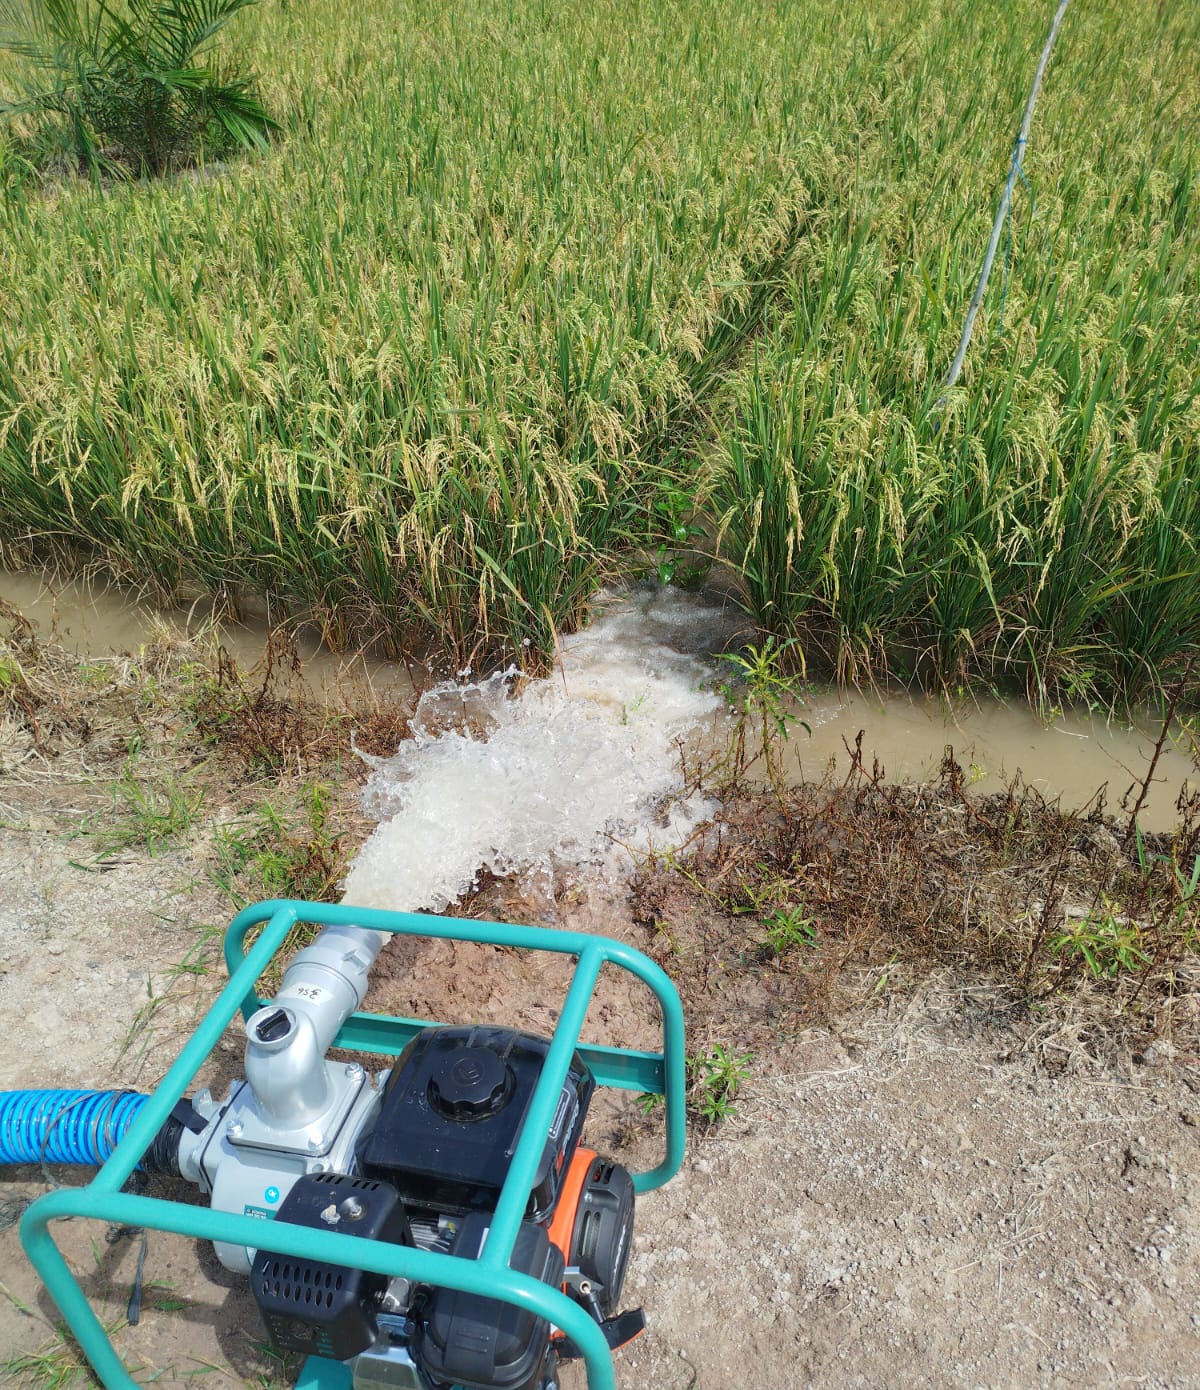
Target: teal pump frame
{"points": [[489, 1275]]}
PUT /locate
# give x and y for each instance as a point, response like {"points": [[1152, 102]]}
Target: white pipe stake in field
{"points": [[1013, 174]]}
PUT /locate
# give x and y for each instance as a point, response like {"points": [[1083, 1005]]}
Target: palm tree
{"points": [[128, 81]]}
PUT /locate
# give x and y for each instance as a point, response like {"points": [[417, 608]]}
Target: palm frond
{"points": [[129, 76]]}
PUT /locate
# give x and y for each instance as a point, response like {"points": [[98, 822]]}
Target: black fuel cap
{"points": [[470, 1083]]}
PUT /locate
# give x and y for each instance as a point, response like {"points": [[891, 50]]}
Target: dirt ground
{"points": [[903, 1196], [907, 1200]]}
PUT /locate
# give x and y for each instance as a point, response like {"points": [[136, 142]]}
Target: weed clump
{"points": [[714, 1078], [148, 811], [270, 852], [801, 892]]}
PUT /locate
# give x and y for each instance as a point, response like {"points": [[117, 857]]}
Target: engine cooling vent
{"points": [[313, 1306], [305, 1283]]}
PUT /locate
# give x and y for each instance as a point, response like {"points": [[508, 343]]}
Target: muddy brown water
{"points": [[95, 621], [1071, 755]]}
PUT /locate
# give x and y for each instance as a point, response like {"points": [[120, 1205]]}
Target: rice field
{"points": [[518, 286], [1041, 521]]}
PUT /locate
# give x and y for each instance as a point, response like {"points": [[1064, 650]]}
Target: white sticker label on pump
{"points": [[311, 994]]}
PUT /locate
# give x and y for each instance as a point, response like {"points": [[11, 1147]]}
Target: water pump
{"points": [[436, 1224], [417, 1157]]}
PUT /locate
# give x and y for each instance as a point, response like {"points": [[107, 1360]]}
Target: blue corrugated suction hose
{"points": [[64, 1126]]}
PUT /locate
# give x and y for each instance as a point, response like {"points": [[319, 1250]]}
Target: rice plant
{"points": [[1041, 527], [403, 371], [513, 288]]}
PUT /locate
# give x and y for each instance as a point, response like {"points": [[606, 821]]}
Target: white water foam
{"points": [[571, 768]]}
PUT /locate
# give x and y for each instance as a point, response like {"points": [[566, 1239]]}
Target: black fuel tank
{"points": [[451, 1116]]}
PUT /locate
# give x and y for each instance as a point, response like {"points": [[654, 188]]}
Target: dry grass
{"points": [[164, 745], [805, 900]]}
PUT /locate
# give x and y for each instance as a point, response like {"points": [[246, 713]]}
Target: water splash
{"points": [[573, 770]]}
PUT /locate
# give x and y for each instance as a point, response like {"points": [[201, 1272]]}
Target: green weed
{"points": [[674, 522], [148, 812], [272, 854], [11, 674], [1104, 942], [57, 1365], [714, 1080], [790, 928], [764, 699], [195, 965]]}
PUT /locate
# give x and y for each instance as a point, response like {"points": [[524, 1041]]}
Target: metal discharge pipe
{"points": [[285, 1066], [289, 1037]]}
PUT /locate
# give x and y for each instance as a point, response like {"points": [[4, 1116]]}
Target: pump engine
{"points": [[416, 1156], [427, 1171]]}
